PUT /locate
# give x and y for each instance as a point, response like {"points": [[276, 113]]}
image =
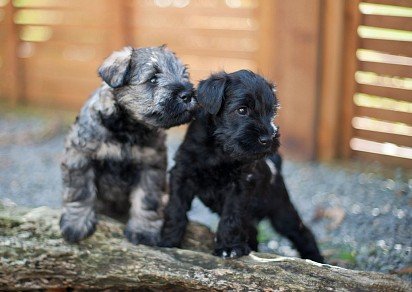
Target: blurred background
{"points": [[343, 70]]}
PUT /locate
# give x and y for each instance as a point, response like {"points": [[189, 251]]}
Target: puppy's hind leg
{"points": [[145, 219], [286, 220], [78, 219]]}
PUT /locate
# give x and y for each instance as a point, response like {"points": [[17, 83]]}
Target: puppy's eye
{"points": [[243, 111], [153, 80]]}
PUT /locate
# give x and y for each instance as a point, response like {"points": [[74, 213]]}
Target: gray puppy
{"points": [[115, 154]]}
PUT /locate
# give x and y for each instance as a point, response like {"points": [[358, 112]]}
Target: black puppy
{"points": [[228, 159]]}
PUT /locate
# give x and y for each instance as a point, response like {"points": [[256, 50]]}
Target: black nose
{"points": [[265, 140], [186, 97]]}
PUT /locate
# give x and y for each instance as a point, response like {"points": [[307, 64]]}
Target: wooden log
{"points": [[34, 256]]}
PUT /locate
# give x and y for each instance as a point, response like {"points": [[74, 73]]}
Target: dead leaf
{"points": [[403, 271], [334, 214]]}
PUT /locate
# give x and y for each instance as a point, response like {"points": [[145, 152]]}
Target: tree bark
{"points": [[34, 256]]}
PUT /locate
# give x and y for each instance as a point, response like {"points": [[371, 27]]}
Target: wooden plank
{"points": [[13, 80], [390, 92], [387, 46], [80, 35], [197, 32], [385, 115], [384, 159], [296, 74], [119, 36], [67, 4], [196, 4], [400, 140], [51, 83], [331, 76], [404, 71], [62, 100], [350, 65], [266, 54], [217, 23], [75, 69], [384, 21], [191, 50], [84, 17], [405, 3], [201, 11], [55, 51]]}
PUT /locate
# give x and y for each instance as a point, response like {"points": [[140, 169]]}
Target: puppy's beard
{"points": [[179, 119], [164, 120], [246, 153]]}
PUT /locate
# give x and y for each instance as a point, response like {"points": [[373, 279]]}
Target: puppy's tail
{"points": [[277, 161]]}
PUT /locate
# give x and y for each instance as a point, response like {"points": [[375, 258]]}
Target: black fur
{"points": [[223, 162]]}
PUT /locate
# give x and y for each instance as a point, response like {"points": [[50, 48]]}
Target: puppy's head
{"points": [[151, 84], [242, 106]]}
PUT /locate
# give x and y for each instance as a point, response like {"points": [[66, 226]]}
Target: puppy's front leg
{"points": [[231, 236], [145, 219], [78, 219], [182, 190]]}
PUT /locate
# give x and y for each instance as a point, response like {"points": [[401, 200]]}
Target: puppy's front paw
{"points": [[314, 256], [232, 252], [141, 237], [75, 228]]}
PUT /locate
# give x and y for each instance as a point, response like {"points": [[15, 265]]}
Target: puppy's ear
{"points": [[211, 91], [115, 68]]}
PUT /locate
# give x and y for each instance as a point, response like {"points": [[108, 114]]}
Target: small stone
{"points": [[397, 247], [356, 209], [381, 243], [273, 244], [399, 213], [375, 212]]}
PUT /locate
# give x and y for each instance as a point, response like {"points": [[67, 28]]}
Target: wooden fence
{"points": [[319, 53]]}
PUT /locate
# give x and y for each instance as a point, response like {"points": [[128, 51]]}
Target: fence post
{"points": [[330, 99], [14, 88], [350, 64], [289, 46]]}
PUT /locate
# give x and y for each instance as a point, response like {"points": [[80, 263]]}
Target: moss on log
{"points": [[33, 255]]}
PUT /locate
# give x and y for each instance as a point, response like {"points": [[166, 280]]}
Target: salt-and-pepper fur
{"points": [[115, 154]]}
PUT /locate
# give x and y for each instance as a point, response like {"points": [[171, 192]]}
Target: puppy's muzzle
{"points": [[267, 140], [186, 96]]}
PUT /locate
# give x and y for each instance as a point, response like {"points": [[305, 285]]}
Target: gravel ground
{"points": [[361, 219]]}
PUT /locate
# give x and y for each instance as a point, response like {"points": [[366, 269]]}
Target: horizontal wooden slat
{"points": [[384, 21], [387, 46], [198, 32], [69, 69], [167, 20], [46, 87], [385, 115], [56, 50], [400, 140], [79, 35], [62, 4], [185, 50], [386, 69], [58, 100], [405, 3], [203, 11], [384, 159], [224, 43], [83, 17], [395, 93], [200, 4]]}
